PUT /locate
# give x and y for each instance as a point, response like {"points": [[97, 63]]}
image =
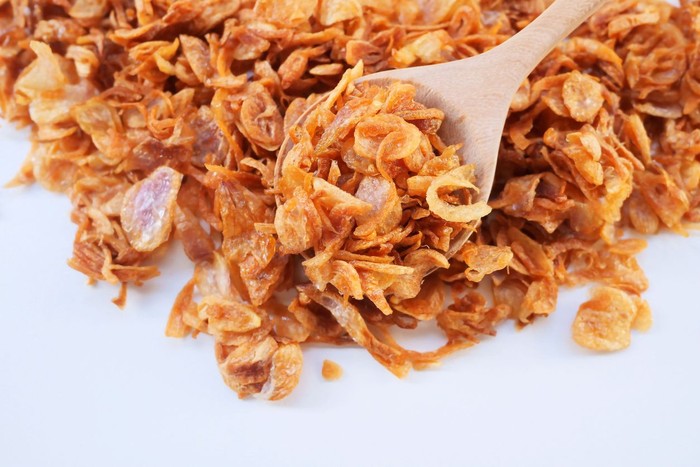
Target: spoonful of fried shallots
{"points": [[389, 174]]}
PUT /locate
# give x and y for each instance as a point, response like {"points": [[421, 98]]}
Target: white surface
{"points": [[84, 384]]}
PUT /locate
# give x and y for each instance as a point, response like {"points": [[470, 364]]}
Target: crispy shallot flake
{"points": [[583, 96], [228, 315], [285, 371], [461, 177], [149, 208], [331, 371], [605, 322], [482, 260]]}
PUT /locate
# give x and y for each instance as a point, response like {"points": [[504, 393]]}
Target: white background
{"points": [[85, 384]]}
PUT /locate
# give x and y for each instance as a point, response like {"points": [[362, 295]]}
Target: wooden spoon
{"points": [[476, 93]]}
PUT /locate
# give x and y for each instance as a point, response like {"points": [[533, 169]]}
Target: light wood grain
{"points": [[476, 93]]}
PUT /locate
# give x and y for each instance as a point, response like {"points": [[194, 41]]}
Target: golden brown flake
{"points": [[605, 322], [149, 208], [331, 371]]}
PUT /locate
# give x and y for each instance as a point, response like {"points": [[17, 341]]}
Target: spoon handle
{"points": [[531, 45]]}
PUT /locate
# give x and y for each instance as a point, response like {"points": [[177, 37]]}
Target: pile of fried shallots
{"points": [[163, 119]]}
